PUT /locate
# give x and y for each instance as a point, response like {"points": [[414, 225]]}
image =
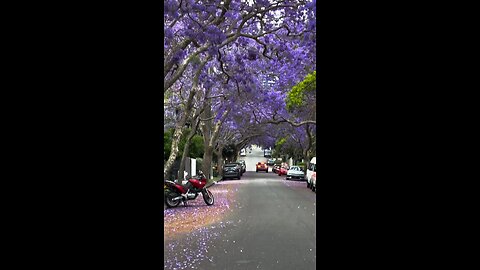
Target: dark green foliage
{"points": [[167, 143], [196, 146]]}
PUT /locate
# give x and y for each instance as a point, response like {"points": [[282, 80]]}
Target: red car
{"points": [[282, 170], [262, 166]]}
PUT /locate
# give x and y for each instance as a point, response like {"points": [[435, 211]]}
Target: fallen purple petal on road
{"points": [[194, 219]]}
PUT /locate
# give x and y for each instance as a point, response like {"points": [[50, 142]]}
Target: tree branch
{"points": [[207, 119], [295, 124]]}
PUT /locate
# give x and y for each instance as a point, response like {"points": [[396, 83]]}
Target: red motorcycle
{"points": [[175, 193]]}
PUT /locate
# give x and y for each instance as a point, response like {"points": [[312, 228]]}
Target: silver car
{"points": [[295, 172]]}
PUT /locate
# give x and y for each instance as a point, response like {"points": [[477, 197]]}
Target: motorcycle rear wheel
{"points": [[168, 199], [208, 197]]}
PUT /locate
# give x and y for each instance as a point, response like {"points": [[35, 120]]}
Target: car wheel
{"points": [[266, 171], [256, 171]]}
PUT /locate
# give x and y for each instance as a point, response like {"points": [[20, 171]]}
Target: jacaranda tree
{"points": [[232, 62]]}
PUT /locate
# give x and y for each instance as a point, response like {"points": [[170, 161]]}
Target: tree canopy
{"points": [[241, 70]]}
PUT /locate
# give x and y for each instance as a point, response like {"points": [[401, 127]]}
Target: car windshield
{"points": [[295, 168]]}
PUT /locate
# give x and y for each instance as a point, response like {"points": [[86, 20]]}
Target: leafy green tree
{"points": [[167, 143], [196, 148], [302, 91]]}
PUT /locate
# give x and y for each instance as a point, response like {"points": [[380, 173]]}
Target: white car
{"points": [[312, 168], [314, 182], [295, 173]]}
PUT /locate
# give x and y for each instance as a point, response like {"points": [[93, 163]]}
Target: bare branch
{"points": [[207, 119], [221, 66], [259, 42], [222, 95], [295, 124]]}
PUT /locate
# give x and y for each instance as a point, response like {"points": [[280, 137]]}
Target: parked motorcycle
{"points": [[176, 193]]}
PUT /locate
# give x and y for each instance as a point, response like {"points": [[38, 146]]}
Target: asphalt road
{"points": [[272, 225]]}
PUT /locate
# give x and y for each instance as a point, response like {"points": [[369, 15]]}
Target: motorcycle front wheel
{"points": [[208, 197], [169, 195]]}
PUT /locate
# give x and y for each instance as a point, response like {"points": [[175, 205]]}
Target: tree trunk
{"points": [[181, 124], [210, 135], [235, 156], [176, 138], [173, 154], [207, 161], [219, 153], [307, 161], [185, 154], [186, 150]]}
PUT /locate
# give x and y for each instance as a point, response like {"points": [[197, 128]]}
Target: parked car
{"points": [[244, 165], [314, 182], [283, 170], [275, 168], [295, 172], [231, 170], [312, 167], [270, 162], [267, 153], [240, 167], [262, 166]]}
